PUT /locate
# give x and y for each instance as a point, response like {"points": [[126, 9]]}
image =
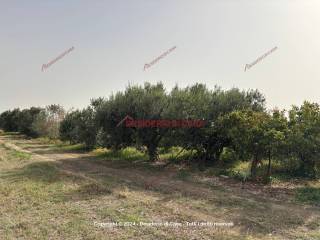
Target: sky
{"points": [[114, 39]]}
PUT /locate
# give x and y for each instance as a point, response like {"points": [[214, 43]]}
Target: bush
{"points": [[228, 156]]}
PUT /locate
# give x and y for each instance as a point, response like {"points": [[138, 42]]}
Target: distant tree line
{"points": [[34, 122], [238, 126]]}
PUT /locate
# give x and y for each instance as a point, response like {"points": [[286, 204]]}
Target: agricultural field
{"points": [[138, 120]]}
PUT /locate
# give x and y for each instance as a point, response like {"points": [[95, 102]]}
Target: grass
{"points": [[175, 154], [309, 195], [64, 147], [8, 133], [240, 170], [183, 174], [35, 201], [64, 197], [56, 144], [132, 154], [126, 154], [20, 155]]}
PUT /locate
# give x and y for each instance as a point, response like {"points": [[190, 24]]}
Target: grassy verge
{"points": [[174, 154], [36, 200]]}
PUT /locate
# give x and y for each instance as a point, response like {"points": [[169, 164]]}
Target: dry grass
{"points": [[56, 195]]}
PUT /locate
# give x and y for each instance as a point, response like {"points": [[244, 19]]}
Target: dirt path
{"points": [[85, 163], [253, 211]]}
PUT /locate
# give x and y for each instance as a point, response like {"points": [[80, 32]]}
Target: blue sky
{"points": [[113, 40]]}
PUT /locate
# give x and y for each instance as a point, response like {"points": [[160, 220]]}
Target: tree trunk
{"points": [[254, 166], [269, 164], [153, 153], [307, 168]]}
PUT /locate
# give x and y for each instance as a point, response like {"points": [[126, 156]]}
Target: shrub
{"points": [[228, 156]]}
